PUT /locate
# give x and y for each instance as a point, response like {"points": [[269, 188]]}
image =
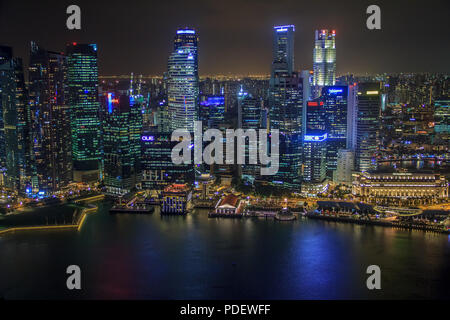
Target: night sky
{"points": [[236, 36]]}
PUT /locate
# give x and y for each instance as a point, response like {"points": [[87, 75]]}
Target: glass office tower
{"points": [[249, 117], [183, 83], [82, 86], [211, 111], [324, 55], [283, 49], [285, 107], [50, 119], [367, 126], [335, 110], [315, 149], [121, 143], [442, 118], [158, 170], [16, 166]]}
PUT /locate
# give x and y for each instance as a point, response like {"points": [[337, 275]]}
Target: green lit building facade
{"points": [[82, 86], [121, 143]]}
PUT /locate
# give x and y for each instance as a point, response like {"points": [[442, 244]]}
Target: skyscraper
{"points": [[335, 109], [367, 126], [285, 107], [315, 149], [324, 59], [183, 84], [158, 170], [442, 118], [211, 111], [16, 171], [283, 50], [82, 86], [50, 119], [352, 115], [249, 117], [121, 143]]}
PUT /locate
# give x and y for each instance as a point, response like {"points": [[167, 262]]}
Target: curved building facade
{"points": [[183, 84]]}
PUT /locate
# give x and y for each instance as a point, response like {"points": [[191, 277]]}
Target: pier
{"points": [[131, 210], [392, 224]]}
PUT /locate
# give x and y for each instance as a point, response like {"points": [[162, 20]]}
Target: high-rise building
{"points": [[315, 149], [367, 126], [50, 119], [324, 59], [16, 165], [211, 111], [307, 77], [283, 49], [121, 144], [249, 117], [285, 107], [249, 111], [82, 86], [161, 116], [183, 83], [442, 118], [345, 167], [336, 109], [352, 115], [158, 170]]}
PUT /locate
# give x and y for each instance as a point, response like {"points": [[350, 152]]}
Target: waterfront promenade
{"points": [[41, 220]]}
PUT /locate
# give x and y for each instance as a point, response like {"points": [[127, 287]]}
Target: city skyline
{"points": [[310, 182], [242, 47]]}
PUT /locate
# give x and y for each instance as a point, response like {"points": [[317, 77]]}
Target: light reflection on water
{"points": [[193, 257]]}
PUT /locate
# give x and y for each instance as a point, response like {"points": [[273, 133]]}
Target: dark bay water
{"points": [[193, 257]]}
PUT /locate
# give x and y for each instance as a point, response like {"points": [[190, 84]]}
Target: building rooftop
{"points": [[176, 187], [229, 200]]}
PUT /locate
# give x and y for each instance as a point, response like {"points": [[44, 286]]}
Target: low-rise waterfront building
{"points": [[176, 198], [403, 188], [229, 205]]}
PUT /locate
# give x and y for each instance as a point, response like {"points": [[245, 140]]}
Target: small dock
{"points": [[130, 210], [174, 213], [392, 224], [225, 215]]}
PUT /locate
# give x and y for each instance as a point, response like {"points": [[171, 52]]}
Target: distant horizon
{"points": [[268, 74]]}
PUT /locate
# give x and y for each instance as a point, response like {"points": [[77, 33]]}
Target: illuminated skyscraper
{"points": [[183, 84], [314, 149], [50, 119], [442, 118], [82, 86], [158, 170], [324, 59], [249, 117], [211, 111], [16, 166], [367, 126], [122, 143], [283, 49], [285, 107], [335, 109], [352, 115]]}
